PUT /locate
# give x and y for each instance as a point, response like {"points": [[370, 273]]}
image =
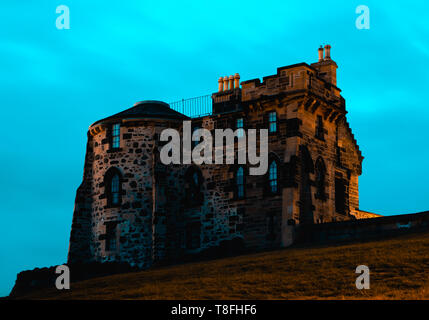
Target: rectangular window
{"points": [[273, 186], [240, 191], [272, 177], [116, 136], [272, 122], [111, 237], [338, 155], [240, 127], [340, 196], [319, 128], [240, 183]]}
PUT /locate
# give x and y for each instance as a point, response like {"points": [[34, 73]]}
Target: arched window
{"points": [[194, 187], [320, 179], [239, 180], [113, 187], [272, 177]]}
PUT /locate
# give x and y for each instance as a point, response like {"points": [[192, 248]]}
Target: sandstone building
{"points": [[132, 208]]}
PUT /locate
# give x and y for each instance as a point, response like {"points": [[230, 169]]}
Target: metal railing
{"points": [[194, 107]]}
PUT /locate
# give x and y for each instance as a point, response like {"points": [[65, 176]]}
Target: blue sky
{"points": [[55, 83]]}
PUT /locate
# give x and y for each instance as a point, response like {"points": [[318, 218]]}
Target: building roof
{"points": [[148, 109]]}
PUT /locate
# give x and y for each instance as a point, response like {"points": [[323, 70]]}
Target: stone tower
{"points": [[116, 215]]}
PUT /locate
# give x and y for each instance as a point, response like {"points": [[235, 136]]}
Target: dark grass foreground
{"points": [[399, 270]]}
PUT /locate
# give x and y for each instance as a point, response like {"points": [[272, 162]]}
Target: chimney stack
{"points": [[320, 53], [229, 83], [327, 52], [326, 67]]}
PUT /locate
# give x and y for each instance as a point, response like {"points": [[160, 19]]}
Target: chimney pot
{"points": [[225, 83], [327, 52], [220, 82], [320, 50], [236, 80], [231, 82]]}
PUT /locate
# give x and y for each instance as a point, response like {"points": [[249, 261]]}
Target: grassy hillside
{"points": [[399, 270]]}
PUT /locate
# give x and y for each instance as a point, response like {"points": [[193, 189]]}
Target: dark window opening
{"points": [[272, 122], [113, 187], [239, 125], [194, 187], [319, 128], [111, 237], [116, 136], [240, 182], [320, 179], [272, 177], [340, 196], [193, 235], [338, 155], [195, 181]]}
